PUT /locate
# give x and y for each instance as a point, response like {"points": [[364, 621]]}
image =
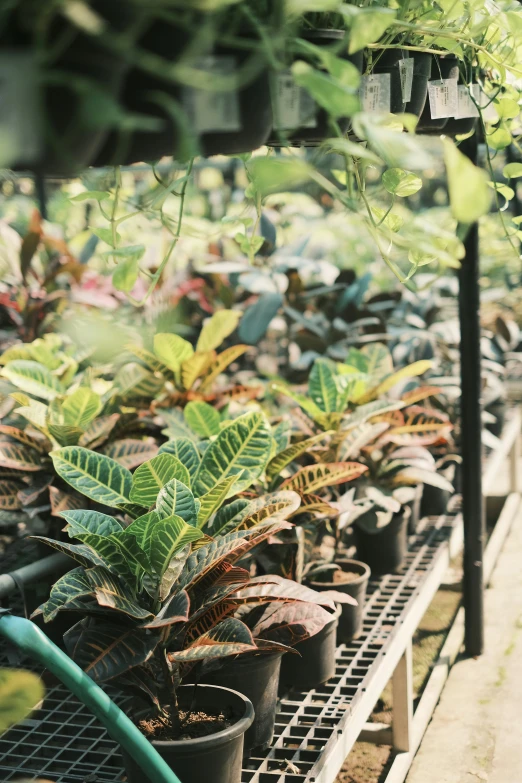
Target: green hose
{"points": [[32, 641]]}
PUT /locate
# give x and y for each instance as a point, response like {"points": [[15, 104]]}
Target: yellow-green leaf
{"points": [[217, 329]]}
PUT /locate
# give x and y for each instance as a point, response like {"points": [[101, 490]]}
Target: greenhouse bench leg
{"points": [[399, 735]]}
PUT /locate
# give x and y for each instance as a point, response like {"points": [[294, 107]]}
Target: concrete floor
{"points": [[475, 734]]}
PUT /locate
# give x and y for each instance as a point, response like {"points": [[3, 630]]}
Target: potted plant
{"points": [[169, 598]]}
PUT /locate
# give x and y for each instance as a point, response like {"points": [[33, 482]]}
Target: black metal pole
{"points": [[471, 431]]}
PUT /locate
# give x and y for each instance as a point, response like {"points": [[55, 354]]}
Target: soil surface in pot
{"points": [[343, 577], [193, 725]]}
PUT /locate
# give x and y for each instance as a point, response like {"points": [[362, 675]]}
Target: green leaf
{"points": [[195, 367], [258, 316], [168, 537], [133, 380], [33, 378], [331, 94], [213, 499], [467, 184], [217, 329], [285, 457], [276, 174], [224, 359], [85, 521], [309, 479], [367, 25], [176, 610], [34, 411], [321, 385], [185, 450], [81, 407], [242, 447], [176, 499], [153, 475], [270, 508], [65, 435], [401, 183], [345, 147], [202, 418], [20, 692], [512, 170], [410, 371], [282, 434], [142, 528], [499, 139], [172, 350], [91, 195], [502, 189], [105, 234], [110, 551], [507, 108], [82, 553], [176, 425], [126, 274], [369, 410], [94, 475]]}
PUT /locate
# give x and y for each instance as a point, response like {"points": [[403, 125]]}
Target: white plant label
{"points": [[20, 109], [443, 98], [406, 74], [295, 107], [465, 105], [211, 111], [375, 92]]}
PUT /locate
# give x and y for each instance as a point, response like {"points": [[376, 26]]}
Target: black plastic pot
{"points": [[434, 501], [415, 509], [318, 118], [171, 105], [385, 549], [317, 662], [388, 61], [497, 409], [72, 135], [218, 757], [351, 618], [257, 678], [419, 88], [441, 68]]}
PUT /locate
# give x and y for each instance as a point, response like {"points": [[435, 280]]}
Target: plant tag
{"points": [[443, 98], [294, 106], [211, 111], [489, 113], [20, 109], [375, 92], [406, 74], [465, 106]]}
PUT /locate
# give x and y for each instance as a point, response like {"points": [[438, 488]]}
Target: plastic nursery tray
{"points": [[65, 743]]}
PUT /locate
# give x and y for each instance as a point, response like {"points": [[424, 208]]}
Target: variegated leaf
{"points": [[271, 508], [193, 368], [148, 358], [359, 437], [133, 381], [212, 500], [185, 450], [82, 553], [99, 431], [229, 637], [176, 610], [81, 407], [13, 433], [231, 513], [68, 589], [112, 593], [174, 569], [153, 475], [217, 328], [64, 434], [168, 537], [410, 371], [19, 457], [9, 495], [202, 418], [282, 434], [224, 359], [369, 411], [310, 479], [172, 350], [132, 452], [313, 504], [241, 447], [142, 528], [34, 411], [64, 501], [109, 650], [288, 455], [322, 386], [291, 622], [33, 378], [98, 477], [420, 393], [176, 425], [176, 499], [86, 521]]}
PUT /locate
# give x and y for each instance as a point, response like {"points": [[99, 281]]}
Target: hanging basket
{"points": [[184, 120], [298, 120]]}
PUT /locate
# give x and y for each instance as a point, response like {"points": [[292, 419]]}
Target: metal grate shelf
{"points": [[314, 730]]}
